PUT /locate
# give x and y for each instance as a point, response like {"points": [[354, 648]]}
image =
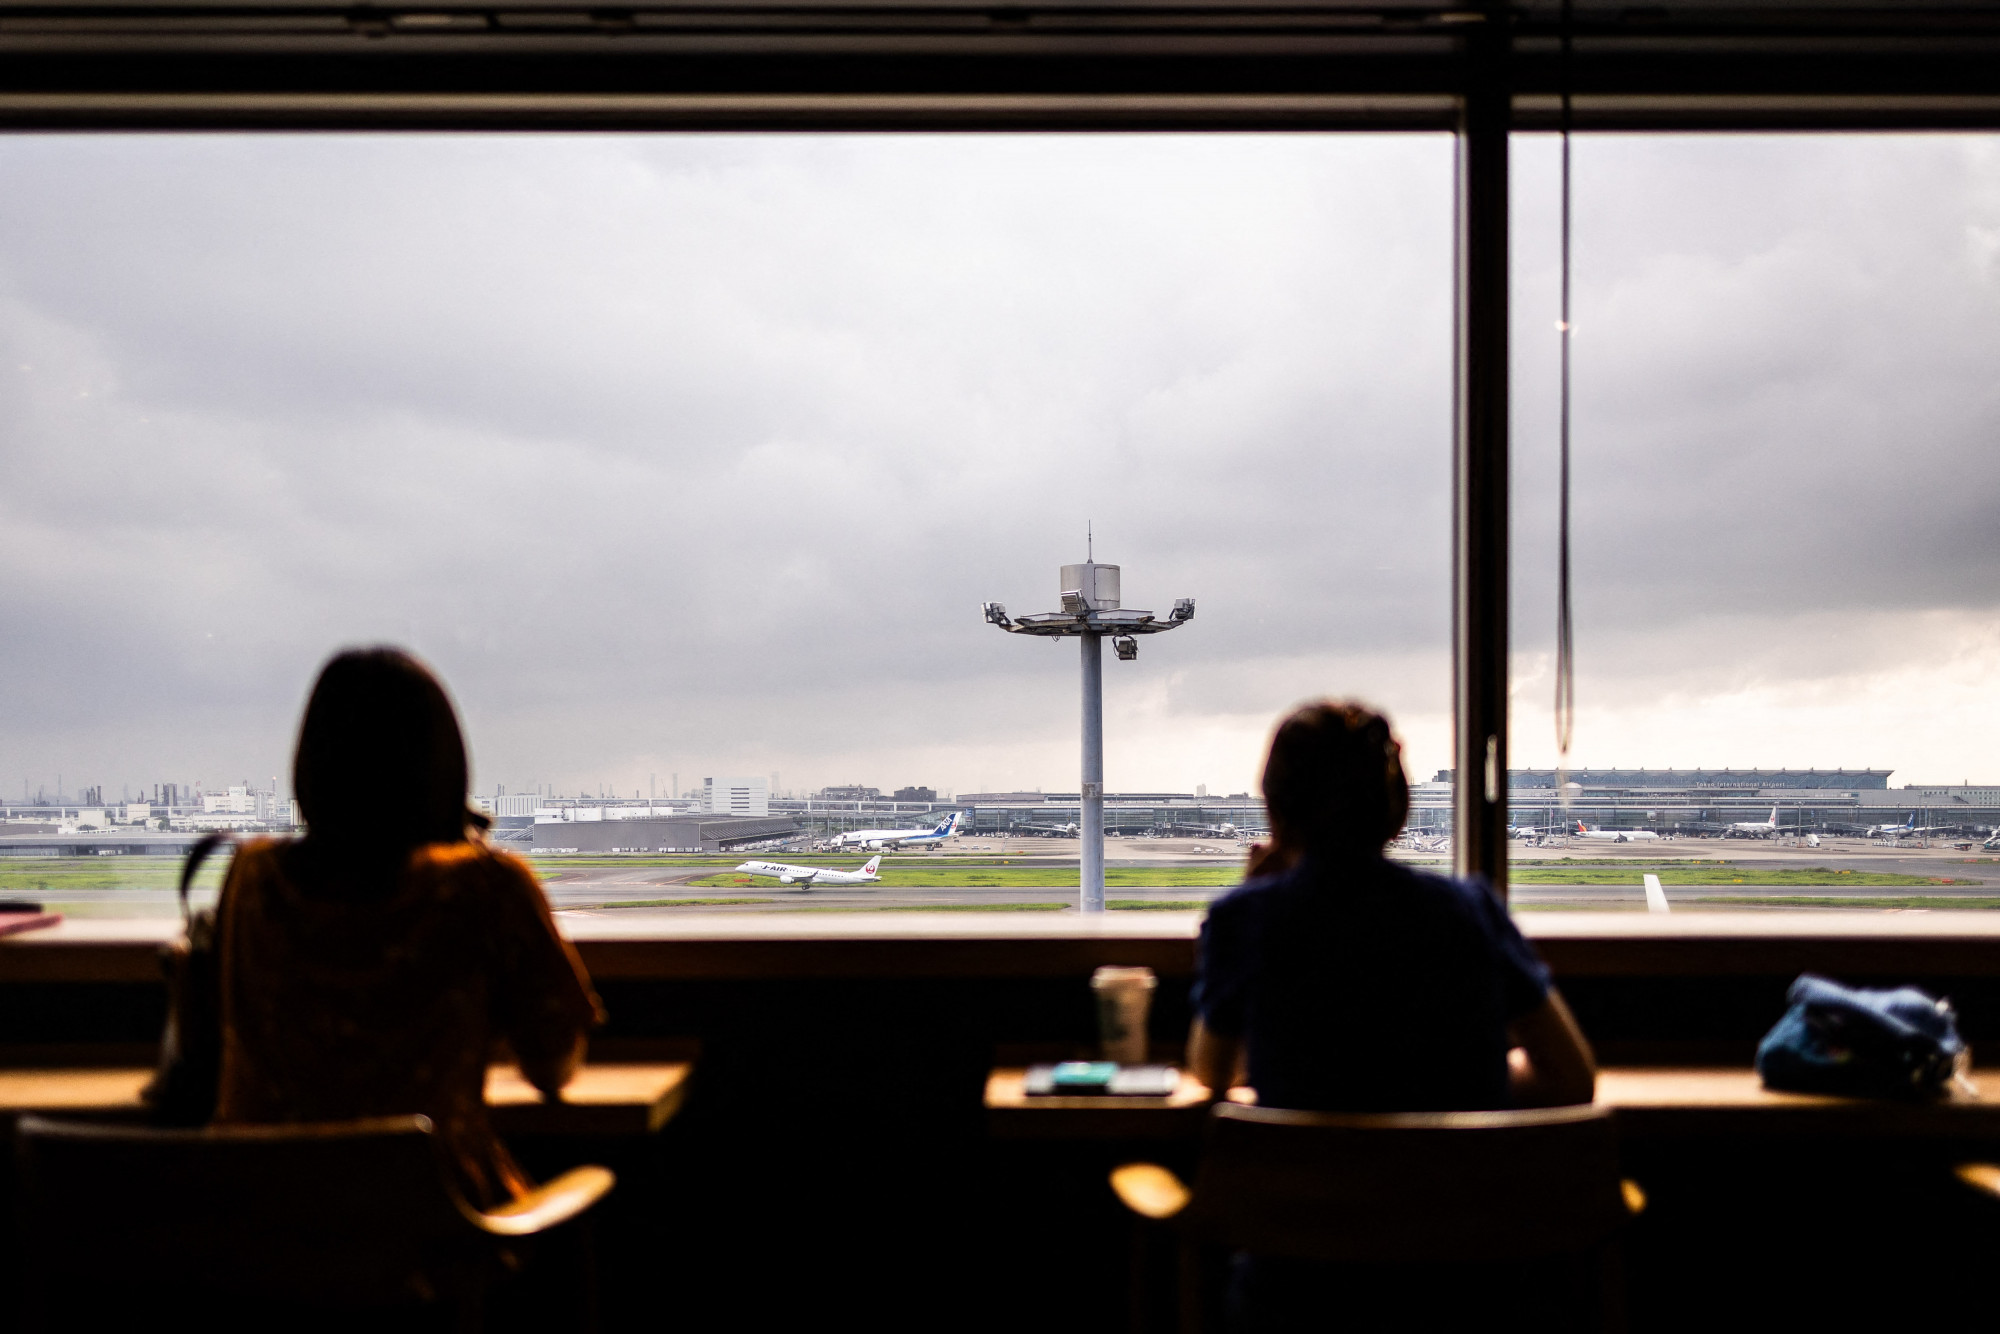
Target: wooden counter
{"points": [[611, 1098], [1651, 1103]]}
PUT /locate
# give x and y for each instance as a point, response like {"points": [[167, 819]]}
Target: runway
{"points": [[1606, 879], [1040, 873]]}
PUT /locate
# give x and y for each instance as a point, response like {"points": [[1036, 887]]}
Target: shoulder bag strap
{"points": [[196, 856]]}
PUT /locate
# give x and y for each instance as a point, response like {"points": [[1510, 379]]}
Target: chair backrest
{"points": [[1424, 1186], [357, 1212]]}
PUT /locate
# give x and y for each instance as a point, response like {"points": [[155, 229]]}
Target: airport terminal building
{"points": [[662, 833], [1705, 802]]}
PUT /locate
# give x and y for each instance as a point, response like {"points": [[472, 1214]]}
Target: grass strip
{"points": [[1850, 901], [1155, 905], [1649, 864], [68, 874], [1728, 875]]}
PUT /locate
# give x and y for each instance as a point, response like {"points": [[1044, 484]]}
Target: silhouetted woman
{"points": [[1338, 980], [1343, 981], [375, 966]]}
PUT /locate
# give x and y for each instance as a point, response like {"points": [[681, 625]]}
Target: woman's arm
{"points": [[1551, 1064], [549, 1071], [1213, 1059], [544, 1004]]}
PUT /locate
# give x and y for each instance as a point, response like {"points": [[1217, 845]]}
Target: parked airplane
{"points": [[1223, 830], [1754, 828], [805, 877], [1616, 835], [1909, 826], [1908, 829], [894, 839]]}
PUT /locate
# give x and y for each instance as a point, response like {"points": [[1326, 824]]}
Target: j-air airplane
{"points": [[805, 877]]}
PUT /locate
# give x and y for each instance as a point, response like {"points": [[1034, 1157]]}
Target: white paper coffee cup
{"points": [[1123, 997]]}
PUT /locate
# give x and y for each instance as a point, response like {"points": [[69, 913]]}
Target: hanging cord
{"points": [[1565, 642]]}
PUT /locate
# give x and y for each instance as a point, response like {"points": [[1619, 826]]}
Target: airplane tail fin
{"points": [[874, 865], [947, 826], [1580, 829], [1774, 817]]}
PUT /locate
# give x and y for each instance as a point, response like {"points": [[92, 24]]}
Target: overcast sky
{"points": [[696, 455]]}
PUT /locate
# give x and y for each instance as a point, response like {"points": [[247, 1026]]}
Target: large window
{"points": [[1783, 406], [691, 458]]}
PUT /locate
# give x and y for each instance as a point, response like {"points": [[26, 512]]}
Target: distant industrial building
{"points": [[915, 794], [736, 796], [848, 792]]}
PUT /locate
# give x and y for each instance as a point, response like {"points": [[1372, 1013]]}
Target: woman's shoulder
{"points": [[475, 861], [258, 862]]}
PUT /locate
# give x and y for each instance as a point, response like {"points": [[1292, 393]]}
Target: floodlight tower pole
{"points": [[1092, 610], [1090, 892]]}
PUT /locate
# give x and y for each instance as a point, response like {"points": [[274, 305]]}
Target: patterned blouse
{"points": [[336, 1007]]}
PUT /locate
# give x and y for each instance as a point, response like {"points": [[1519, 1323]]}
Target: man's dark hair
{"points": [[1334, 782], [381, 761]]}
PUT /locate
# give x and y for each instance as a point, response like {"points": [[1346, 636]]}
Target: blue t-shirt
{"points": [[1366, 986]]}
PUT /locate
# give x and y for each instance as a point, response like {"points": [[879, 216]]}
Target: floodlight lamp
{"points": [[1183, 610], [1073, 603], [995, 614], [1128, 648]]}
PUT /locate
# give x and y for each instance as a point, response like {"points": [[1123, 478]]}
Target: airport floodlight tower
{"points": [[1090, 611]]}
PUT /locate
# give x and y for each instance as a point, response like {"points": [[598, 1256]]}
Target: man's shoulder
{"points": [[1465, 896], [1450, 893], [1254, 893]]}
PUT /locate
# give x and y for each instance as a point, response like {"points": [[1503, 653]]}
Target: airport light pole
{"points": [[1091, 611]]}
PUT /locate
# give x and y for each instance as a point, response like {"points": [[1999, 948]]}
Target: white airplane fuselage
{"points": [[900, 838], [805, 877], [1757, 828], [1616, 835]]}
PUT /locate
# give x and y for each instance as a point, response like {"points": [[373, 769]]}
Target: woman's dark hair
{"points": [[381, 762], [1334, 782]]}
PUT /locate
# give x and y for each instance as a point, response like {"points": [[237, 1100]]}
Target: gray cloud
{"points": [[698, 453]]}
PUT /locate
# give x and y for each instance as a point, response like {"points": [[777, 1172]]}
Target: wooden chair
{"points": [[1428, 1188], [311, 1217]]}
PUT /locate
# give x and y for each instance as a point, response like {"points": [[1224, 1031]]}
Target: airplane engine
{"points": [[785, 879]]}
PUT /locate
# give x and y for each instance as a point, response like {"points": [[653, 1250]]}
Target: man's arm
{"points": [[1551, 1064], [1213, 1059]]}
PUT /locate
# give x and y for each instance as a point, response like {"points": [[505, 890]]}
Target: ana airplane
{"points": [[1908, 829], [1616, 835], [805, 877], [894, 839], [1754, 828]]}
